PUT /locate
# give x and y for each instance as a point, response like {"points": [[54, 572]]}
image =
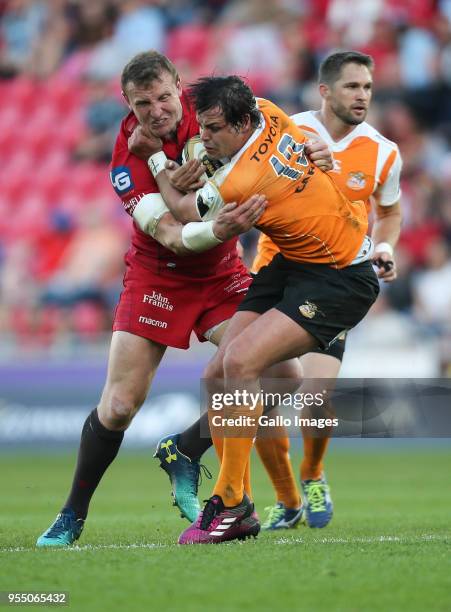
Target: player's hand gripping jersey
{"points": [[364, 162], [307, 217]]}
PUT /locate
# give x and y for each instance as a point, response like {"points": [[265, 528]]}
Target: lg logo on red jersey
{"points": [[121, 179]]}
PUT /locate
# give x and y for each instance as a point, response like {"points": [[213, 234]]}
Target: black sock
{"points": [[190, 441], [98, 447]]}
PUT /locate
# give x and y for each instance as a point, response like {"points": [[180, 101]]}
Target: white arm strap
{"points": [[198, 236], [156, 163], [149, 211], [384, 247]]}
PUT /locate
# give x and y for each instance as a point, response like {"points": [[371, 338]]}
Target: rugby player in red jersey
{"points": [[168, 292]]}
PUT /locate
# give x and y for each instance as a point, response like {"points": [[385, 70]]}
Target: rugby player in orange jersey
{"points": [[319, 285], [366, 166]]}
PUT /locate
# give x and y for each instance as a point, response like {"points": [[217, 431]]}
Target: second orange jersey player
{"points": [[365, 162]]}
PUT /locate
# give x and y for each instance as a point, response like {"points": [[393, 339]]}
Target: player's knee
{"points": [[120, 408], [237, 366], [214, 370], [213, 377]]}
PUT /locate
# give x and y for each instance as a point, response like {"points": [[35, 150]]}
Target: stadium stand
{"points": [[59, 67]]}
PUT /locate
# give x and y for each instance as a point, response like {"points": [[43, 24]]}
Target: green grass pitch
{"points": [[387, 548]]}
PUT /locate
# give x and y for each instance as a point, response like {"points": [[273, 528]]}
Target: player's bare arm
{"points": [[386, 230], [183, 206], [231, 221], [155, 219]]}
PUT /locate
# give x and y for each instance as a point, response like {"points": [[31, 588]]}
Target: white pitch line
{"points": [[88, 547], [370, 540]]}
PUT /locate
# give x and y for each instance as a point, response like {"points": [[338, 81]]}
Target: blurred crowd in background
{"points": [[63, 232]]}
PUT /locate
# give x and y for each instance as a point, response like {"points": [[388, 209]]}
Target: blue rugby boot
{"points": [[317, 502], [184, 474], [280, 517], [63, 532]]}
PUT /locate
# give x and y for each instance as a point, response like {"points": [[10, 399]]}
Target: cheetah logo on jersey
{"points": [[308, 310], [336, 165], [356, 180]]}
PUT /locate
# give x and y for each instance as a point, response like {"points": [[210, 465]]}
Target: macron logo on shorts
{"points": [[121, 180], [153, 322]]}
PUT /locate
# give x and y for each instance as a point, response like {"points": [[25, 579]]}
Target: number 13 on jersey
{"points": [[288, 147]]}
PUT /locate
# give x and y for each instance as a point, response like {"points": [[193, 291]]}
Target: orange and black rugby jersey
{"points": [[307, 216], [365, 162]]}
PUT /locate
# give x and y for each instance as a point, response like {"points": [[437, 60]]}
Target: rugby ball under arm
{"points": [[194, 149]]}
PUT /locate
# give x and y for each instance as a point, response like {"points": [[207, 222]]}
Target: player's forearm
{"points": [[178, 203], [181, 205], [387, 224], [194, 237], [169, 234], [155, 219]]}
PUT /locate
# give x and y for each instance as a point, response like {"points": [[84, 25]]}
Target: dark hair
{"points": [[230, 94], [146, 67], [330, 68]]}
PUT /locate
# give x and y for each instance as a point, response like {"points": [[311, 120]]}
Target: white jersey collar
{"points": [[336, 145]]}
